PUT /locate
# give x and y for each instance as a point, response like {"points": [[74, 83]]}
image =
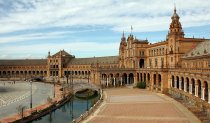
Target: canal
{"points": [[71, 110]]}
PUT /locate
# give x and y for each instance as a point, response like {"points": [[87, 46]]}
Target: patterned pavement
{"points": [[10, 93], [14, 95], [124, 105]]}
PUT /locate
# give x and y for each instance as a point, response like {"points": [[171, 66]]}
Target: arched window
{"points": [[163, 51], [150, 63], [156, 62], [171, 48], [162, 62]]}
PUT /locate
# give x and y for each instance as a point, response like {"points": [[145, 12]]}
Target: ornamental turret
{"points": [[175, 26], [123, 39]]}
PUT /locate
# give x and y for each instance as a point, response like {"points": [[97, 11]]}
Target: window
{"points": [[141, 53], [171, 49], [162, 62], [156, 62], [150, 62], [163, 51], [160, 52]]}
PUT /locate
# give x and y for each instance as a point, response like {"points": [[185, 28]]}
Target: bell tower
{"points": [[175, 33], [175, 26], [122, 49]]}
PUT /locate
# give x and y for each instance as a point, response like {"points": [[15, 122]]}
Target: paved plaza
{"points": [[126, 105], [12, 95]]}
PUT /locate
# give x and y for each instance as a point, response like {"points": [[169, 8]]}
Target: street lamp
{"points": [[88, 77], [67, 78], [88, 92], [31, 95], [72, 108], [72, 80], [54, 87]]}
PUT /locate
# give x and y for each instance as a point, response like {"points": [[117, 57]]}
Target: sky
{"points": [[88, 28]]}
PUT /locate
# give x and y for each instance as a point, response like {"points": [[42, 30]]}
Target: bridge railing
{"points": [[90, 111]]}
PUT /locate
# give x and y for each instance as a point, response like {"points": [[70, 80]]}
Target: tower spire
{"points": [[174, 7], [131, 29], [49, 53], [123, 34], [175, 26]]}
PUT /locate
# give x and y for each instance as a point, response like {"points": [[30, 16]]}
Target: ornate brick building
{"points": [[178, 62]]}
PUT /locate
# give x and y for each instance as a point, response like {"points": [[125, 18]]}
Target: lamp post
{"points": [[72, 81], [54, 88], [101, 82], [88, 93], [72, 109], [31, 96], [67, 78]]}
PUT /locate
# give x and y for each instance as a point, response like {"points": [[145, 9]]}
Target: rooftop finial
{"points": [[123, 37], [131, 29], [49, 53], [123, 34], [174, 8]]}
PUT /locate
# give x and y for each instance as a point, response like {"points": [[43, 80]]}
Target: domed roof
{"points": [[175, 26], [175, 15]]}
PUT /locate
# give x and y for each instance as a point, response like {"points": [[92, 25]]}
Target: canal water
{"points": [[71, 110]]}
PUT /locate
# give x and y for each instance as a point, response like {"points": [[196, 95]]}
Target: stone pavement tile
{"points": [[123, 105], [125, 120], [142, 109], [126, 91], [136, 98]]}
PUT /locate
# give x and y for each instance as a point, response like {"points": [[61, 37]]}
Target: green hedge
{"points": [[141, 85]]}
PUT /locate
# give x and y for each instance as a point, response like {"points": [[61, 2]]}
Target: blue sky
{"points": [[87, 28]]}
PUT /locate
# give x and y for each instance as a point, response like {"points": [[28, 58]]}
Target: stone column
{"points": [[203, 93], [139, 77], [114, 81], [209, 96], [127, 80], [121, 80], [175, 85], [151, 83], [185, 86], [107, 82], [196, 90], [180, 85], [104, 81], [190, 88], [146, 80], [171, 83]]}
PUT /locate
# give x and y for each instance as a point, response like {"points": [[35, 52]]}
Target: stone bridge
{"points": [[80, 85]]}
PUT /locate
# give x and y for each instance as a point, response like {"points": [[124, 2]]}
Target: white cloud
{"points": [[144, 15], [87, 48], [39, 35], [33, 36], [118, 15]]}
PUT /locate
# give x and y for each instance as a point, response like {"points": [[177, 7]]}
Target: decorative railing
{"points": [[191, 70], [196, 105]]}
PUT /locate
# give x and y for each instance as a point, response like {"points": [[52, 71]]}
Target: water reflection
{"points": [[71, 110]]}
